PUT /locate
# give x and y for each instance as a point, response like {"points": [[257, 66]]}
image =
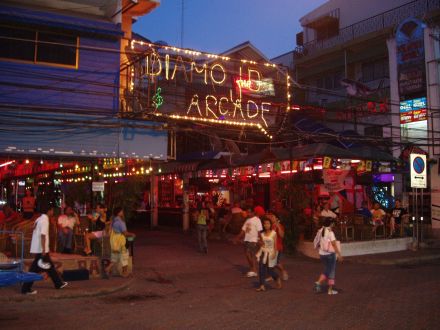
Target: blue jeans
{"points": [[263, 270], [329, 262], [202, 231], [65, 239]]}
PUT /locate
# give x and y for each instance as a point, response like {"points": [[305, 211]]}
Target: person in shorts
{"points": [[250, 231], [98, 220]]}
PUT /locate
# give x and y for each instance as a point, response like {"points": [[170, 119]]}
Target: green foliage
{"points": [[294, 200], [79, 192], [127, 194]]}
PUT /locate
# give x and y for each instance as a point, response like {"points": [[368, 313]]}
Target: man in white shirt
{"points": [[40, 248], [66, 224], [250, 231]]}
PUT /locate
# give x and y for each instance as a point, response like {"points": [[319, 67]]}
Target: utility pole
{"points": [[182, 24]]}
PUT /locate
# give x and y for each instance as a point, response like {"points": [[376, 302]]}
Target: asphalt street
{"points": [[175, 287]]}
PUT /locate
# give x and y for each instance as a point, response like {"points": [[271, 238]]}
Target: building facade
{"points": [[373, 66], [60, 81]]}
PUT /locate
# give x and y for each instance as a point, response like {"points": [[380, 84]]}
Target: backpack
{"points": [[317, 240]]}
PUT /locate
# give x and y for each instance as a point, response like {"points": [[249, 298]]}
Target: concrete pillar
{"points": [[154, 195], [432, 55], [394, 95], [395, 109]]}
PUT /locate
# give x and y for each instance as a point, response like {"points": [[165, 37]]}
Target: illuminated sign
{"points": [[413, 110], [189, 85], [410, 56], [413, 120]]}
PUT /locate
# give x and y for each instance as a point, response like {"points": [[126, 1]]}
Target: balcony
{"points": [[385, 20]]}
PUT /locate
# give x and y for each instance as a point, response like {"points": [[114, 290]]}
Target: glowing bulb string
{"points": [[192, 52]]}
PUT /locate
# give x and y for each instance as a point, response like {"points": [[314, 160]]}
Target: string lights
{"points": [[244, 98]]}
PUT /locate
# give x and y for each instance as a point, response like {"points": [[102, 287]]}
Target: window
{"points": [[330, 80], [327, 31], [38, 46], [375, 70], [55, 48]]}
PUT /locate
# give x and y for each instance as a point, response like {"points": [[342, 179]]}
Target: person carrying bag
{"points": [[329, 249]]}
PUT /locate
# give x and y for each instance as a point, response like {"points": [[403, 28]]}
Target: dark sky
{"points": [[217, 25]]}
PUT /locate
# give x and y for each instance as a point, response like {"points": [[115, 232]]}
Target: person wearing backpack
{"points": [[325, 240]]}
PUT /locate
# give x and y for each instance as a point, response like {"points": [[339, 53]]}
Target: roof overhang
{"points": [[321, 21]]}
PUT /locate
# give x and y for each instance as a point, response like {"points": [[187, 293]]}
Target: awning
{"points": [[312, 151], [179, 167], [371, 153], [49, 134]]}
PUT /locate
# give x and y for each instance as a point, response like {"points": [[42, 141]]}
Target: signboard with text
{"points": [[411, 56], [200, 87]]}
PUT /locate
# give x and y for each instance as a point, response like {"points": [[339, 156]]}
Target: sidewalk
{"points": [[403, 258], [75, 289]]}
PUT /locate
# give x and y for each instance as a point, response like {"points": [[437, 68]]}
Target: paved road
{"points": [[177, 288]]}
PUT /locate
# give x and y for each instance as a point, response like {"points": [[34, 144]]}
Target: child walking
{"points": [[267, 255]]}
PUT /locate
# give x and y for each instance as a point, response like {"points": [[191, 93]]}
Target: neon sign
{"points": [[190, 85]]}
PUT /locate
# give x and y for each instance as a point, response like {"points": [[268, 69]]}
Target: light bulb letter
{"points": [[199, 71], [194, 103], [255, 106], [208, 109], [263, 110], [223, 72], [178, 63]]}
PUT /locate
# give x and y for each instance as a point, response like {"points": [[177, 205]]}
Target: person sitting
{"points": [[327, 213], [364, 211], [396, 216], [378, 216], [28, 203], [118, 235], [316, 215], [9, 218], [66, 223], [98, 221], [336, 203]]}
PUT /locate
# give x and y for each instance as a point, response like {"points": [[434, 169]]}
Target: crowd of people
{"points": [[375, 216]]}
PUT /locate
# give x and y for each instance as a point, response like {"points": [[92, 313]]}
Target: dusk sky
{"points": [[217, 25]]}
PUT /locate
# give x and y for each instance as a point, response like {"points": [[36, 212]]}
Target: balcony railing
{"points": [[388, 19]]}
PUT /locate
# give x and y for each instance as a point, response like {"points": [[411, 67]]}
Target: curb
{"points": [[416, 260], [67, 295]]}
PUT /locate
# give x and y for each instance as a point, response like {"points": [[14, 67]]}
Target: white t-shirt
{"points": [[328, 214], [66, 221], [41, 227], [329, 235], [252, 227]]}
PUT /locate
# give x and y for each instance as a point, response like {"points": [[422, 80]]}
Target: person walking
{"points": [[202, 229], [40, 248], [328, 250], [251, 227], [278, 227], [267, 255]]}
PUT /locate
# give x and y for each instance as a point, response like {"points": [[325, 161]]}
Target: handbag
{"points": [[330, 247]]}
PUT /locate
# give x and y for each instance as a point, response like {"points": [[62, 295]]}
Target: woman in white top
{"points": [[267, 255], [328, 250]]}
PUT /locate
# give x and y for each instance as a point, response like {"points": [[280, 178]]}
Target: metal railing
{"points": [[388, 19]]}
